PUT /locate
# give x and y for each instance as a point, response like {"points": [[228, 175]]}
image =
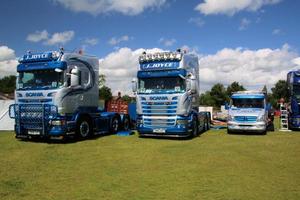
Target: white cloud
{"points": [[244, 24], [96, 7], [8, 61], [276, 32], [6, 53], [197, 20], [230, 7], [91, 41], [252, 68], [120, 67], [60, 38], [54, 39], [115, 40], [167, 42], [37, 36]]}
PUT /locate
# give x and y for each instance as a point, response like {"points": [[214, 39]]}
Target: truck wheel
{"points": [[126, 123], [114, 125], [195, 127], [84, 128], [229, 131]]}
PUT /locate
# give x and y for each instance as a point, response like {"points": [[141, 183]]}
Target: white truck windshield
{"points": [[247, 103], [41, 79], [161, 85]]}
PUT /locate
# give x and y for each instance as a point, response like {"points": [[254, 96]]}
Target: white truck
{"points": [[249, 112], [167, 92], [57, 95]]}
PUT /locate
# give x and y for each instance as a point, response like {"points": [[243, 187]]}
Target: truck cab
{"points": [[293, 81], [167, 92], [248, 112], [57, 95]]}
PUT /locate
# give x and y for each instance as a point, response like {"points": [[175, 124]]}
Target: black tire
{"points": [[114, 125], [195, 131], [229, 131], [126, 123], [84, 128]]}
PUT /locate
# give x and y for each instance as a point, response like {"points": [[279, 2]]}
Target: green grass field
{"points": [[212, 166]]}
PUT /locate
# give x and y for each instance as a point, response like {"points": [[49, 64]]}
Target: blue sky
{"points": [[109, 29]]}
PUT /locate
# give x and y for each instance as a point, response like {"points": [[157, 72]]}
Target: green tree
{"points": [[265, 89], [105, 93], [219, 95], [8, 84], [280, 90], [234, 87], [127, 98], [206, 99]]}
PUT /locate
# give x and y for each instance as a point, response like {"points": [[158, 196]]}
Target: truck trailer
{"points": [[57, 96], [167, 92], [293, 81], [249, 112]]}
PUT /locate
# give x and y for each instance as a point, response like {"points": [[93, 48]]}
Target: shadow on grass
{"points": [[65, 140]]}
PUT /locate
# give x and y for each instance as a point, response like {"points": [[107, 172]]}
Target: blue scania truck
{"points": [[167, 92], [57, 96], [293, 81]]}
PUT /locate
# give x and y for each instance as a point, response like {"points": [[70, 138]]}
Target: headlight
{"points": [[261, 118], [58, 122], [181, 121], [229, 118]]}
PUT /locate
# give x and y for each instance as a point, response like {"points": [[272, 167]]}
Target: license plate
{"points": [[159, 130], [34, 133]]}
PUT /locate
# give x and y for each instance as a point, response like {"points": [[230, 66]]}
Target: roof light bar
{"points": [[162, 56]]}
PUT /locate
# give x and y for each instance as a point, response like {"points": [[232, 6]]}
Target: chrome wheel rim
{"points": [[84, 129]]}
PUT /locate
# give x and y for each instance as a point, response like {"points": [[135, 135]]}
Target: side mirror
{"points": [[188, 84], [193, 86], [75, 77], [226, 106], [134, 85]]}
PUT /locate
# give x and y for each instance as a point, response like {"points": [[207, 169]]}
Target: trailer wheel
{"points": [[84, 128], [126, 123], [114, 125], [195, 127]]}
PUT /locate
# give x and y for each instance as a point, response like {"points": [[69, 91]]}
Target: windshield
{"points": [[296, 92], [247, 103], [42, 79], [161, 85]]}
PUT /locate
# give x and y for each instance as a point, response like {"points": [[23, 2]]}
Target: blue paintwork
{"points": [[51, 65], [247, 96], [37, 57], [166, 73], [293, 80]]}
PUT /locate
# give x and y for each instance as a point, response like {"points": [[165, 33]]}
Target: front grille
{"points": [[161, 114], [159, 122], [159, 108], [245, 118], [33, 116]]}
